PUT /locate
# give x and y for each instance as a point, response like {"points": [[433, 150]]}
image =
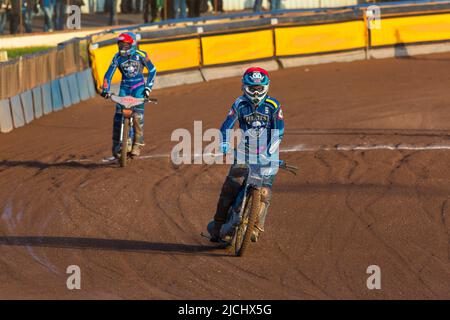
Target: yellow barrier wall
{"points": [[237, 47], [298, 40], [173, 55], [101, 59], [412, 29], [319, 38], [166, 56]]}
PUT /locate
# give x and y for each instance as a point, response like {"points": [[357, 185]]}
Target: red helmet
{"points": [[125, 37], [257, 69], [255, 84]]}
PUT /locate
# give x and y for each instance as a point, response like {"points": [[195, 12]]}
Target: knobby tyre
{"points": [[124, 150], [247, 225]]}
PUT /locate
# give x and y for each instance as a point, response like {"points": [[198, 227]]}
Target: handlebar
{"points": [[130, 101], [288, 168], [281, 163], [151, 100]]}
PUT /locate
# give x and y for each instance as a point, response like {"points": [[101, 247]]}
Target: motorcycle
{"points": [[127, 104], [239, 225]]}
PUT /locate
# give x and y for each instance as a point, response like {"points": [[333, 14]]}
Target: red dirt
{"points": [[135, 232]]}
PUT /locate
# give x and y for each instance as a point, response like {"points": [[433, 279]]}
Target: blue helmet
{"points": [[127, 43], [255, 84]]}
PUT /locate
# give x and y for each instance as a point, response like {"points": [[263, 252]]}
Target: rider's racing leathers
{"points": [[267, 115], [133, 83]]}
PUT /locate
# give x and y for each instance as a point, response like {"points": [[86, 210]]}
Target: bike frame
{"points": [[131, 132], [127, 104], [253, 180]]}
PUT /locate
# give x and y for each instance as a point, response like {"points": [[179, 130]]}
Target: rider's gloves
{"points": [[225, 147], [105, 94], [147, 92], [273, 147]]}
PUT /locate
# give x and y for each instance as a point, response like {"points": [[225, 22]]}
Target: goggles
{"points": [[124, 46], [256, 90]]}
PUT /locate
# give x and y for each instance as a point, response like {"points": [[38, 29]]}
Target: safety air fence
{"points": [[201, 49], [38, 84]]}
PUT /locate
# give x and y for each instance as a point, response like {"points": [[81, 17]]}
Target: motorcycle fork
{"points": [[241, 198], [121, 127]]}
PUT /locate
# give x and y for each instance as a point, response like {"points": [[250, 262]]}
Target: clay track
{"points": [[135, 233]]}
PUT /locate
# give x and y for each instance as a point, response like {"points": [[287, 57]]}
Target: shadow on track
{"points": [[109, 244], [43, 165], [372, 188]]}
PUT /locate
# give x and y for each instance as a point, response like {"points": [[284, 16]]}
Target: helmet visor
{"points": [[124, 46], [257, 90]]}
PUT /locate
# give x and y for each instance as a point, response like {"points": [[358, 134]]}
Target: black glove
{"points": [[147, 92], [105, 94]]}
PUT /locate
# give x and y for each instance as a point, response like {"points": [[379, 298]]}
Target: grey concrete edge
{"points": [[292, 62], [409, 50], [178, 79], [236, 70]]}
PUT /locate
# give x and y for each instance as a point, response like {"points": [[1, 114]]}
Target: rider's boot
{"points": [[138, 125], [137, 148], [256, 233], [266, 194], [214, 230], [116, 149], [230, 190]]}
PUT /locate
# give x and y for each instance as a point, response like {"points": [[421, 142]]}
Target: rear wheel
{"points": [[245, 230], [124, 150]]}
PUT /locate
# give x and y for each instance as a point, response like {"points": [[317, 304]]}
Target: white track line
{"points": [[152, 156], [306, 148], [342, 147]]}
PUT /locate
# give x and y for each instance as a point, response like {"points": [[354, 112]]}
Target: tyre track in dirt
{"points": [[363, 195]]}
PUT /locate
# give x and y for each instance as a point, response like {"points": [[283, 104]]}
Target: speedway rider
{"points": [[131, 63], [254, 110]]}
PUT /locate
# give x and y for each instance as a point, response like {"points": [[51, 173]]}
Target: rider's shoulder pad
{"points": [[273, 102], [116, 58], [143, 54], [240, 101]]}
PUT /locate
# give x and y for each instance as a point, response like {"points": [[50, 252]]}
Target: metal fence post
{"points": [[165, 9]]}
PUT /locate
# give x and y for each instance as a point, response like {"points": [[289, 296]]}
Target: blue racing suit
{"points": [[268, 117], [133, 84]]}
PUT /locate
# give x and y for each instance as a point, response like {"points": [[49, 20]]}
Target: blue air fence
{"points": [[38, 84]]}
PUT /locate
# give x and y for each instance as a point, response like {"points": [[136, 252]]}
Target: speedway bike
{"points": [[237, 231], [127, 104]]}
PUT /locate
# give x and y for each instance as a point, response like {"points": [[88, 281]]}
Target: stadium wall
{"points": [[291, 43], [38, 84]]}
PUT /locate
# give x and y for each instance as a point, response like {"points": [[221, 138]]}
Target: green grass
{"points": [[14, 53]]}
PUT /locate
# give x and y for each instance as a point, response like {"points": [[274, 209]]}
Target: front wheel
{"points": [[245, 229], [124, 150]]}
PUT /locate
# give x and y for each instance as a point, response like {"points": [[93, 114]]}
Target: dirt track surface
{"points": [[371, 139]]}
